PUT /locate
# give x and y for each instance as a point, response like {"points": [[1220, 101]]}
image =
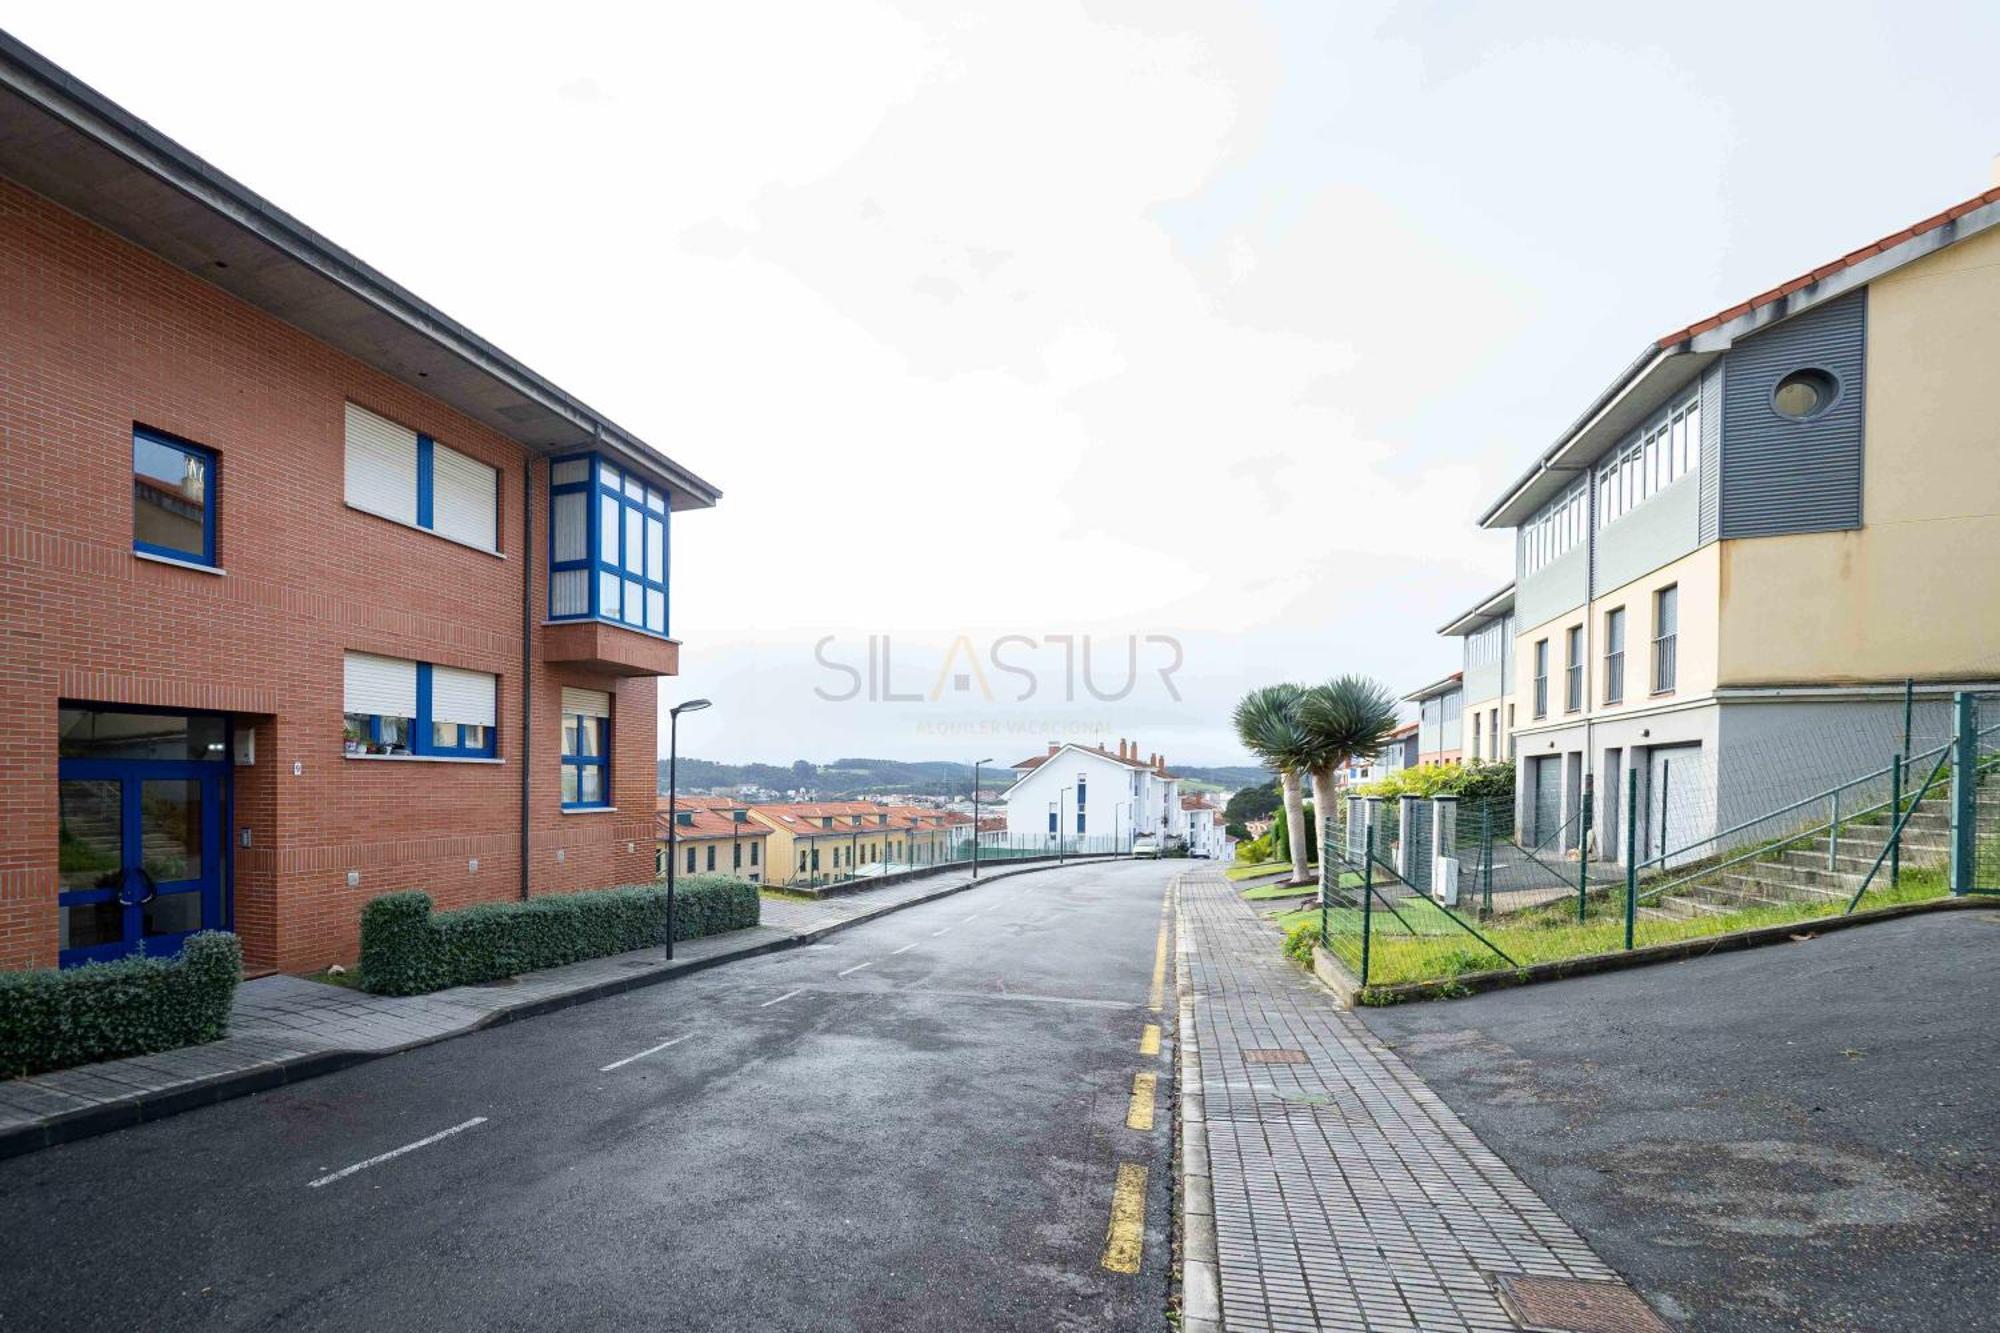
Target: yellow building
{"points": [[819, 841], [1728, 567]]}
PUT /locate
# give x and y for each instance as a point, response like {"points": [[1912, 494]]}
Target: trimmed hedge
{"points": [[407, 949], [105, 1011]]}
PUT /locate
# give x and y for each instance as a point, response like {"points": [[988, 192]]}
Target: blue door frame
{"points": [[150, 911]]}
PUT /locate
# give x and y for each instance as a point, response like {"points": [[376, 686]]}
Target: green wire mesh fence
{"points": [[1425, 890]]}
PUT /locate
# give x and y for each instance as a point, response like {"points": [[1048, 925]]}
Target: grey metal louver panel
{"points": [[1785, 476], [1707, 525]]}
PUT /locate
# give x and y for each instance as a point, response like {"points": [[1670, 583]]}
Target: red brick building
{"points": [[311, 593]]}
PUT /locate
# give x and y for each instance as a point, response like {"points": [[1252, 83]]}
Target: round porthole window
{"points": [[1804, 394]]}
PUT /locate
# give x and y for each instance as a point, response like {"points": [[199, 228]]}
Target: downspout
{"points": [[527, 652]]}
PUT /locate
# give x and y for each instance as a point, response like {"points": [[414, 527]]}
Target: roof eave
{"points": [[1496, 604], [156, 160]]}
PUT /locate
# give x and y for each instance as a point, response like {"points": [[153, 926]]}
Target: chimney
{"points": [[1053, 747], [1993, 173]]}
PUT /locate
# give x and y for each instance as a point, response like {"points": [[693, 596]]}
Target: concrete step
{"points": [[1753, 890], [1684, 906], [1857, 862]]}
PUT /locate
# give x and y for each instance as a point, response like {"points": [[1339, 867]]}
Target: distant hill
{"points": [[871, 777]]}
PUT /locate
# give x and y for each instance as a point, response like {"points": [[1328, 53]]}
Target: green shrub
{"points": [[106, 1011], [1299, 942], [407, 949]]}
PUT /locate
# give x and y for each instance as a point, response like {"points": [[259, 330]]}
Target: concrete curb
{"points": [[88, 1122], [1348, 990], [1201, 1271]]}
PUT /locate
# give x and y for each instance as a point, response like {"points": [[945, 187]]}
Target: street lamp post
{"points": [[673, 805], [975, 814]]}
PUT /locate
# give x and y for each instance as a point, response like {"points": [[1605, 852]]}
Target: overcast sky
{"points": [[1197, 332]]}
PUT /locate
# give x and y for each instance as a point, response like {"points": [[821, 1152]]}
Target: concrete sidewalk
{"points": [[1324, 1185], [284, 1029]]}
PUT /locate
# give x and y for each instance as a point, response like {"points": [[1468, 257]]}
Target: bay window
{"points": [[607, 545]]}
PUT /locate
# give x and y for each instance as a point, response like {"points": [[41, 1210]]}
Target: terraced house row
{"points": [[804, 842], [313, 593], [1729, 565]]}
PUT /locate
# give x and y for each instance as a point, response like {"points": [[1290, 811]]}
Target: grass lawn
{"points": [[1412, 918], [1551, 933], [1261, 869], [349, 980], [1348, 880]]}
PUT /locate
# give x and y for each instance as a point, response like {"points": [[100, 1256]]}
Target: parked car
{"points": [[1146, 846]]}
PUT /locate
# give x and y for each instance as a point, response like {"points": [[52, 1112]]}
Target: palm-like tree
{"points": [[1345, 719], [1268, 723]]}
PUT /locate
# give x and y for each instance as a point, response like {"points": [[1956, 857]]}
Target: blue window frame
{"points": [[607, 545], [173, 497], [586, 766], [381, 734]]}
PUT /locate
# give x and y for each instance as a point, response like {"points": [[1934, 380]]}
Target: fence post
{"points": [[1406, 845], [1964, 790], [1444, 847], [1631, 854], [1583, 853], [1896, 821], [1833, 835], [1486, 859], [1367, 901], [1329, 864]]}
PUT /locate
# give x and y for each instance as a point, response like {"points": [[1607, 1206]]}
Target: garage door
{"points": [[1545, 790], [1677, 806]]}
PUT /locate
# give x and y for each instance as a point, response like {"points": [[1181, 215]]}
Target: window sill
{"points": [[590, 809], [428, 532], [422, 759], [195, 565]]}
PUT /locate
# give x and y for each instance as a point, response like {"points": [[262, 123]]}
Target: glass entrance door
{"points": [[140, 844]]}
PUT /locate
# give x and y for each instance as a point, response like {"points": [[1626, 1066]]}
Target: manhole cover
{"points": [[1566, 1305], [1274, 1056]]}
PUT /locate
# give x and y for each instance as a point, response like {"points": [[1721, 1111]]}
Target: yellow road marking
{"points": [[1149, 1040], [1155, 997], [1139, 1115], [1125, 1240]]}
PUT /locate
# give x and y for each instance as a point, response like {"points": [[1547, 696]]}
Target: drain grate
{"points": [[1567, 1305], [1274, 1056]]}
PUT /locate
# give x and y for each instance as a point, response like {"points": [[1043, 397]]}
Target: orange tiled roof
{"points": [[705, 824], [1825, 271]]}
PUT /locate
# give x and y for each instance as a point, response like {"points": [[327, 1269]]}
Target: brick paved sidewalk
{"points": [[1344, 1193], [284, 1029]]}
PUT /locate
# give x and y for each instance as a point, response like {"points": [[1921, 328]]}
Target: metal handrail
{"points": [[1662, 858]]}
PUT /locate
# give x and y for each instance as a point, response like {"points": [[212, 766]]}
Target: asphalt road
{"points": [[1805, 1136], [914, 1125]]}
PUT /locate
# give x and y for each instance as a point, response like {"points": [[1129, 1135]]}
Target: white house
{"points": [[1098, 799], [1203, 820]]}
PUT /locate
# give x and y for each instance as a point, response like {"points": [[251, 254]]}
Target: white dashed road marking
{"points": [[650, 1050], [905, 949], [856, 968], [780, 1000], [380, 1158]]}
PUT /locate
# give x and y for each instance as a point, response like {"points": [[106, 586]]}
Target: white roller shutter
{"points": [[381, 465], [464, 498], [586, 703], [458, 695], [385, 686]]}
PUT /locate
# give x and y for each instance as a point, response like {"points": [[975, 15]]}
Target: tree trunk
{"points": [[1326, 805], [1295, 823]]}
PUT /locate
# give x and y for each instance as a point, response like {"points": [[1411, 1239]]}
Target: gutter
{"points": [[527, 658], [1545, 463]]}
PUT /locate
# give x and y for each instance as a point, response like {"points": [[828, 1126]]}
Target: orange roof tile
{"points": [[1825, 271]]}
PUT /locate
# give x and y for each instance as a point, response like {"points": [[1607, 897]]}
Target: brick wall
{"points": [[96, 335]]}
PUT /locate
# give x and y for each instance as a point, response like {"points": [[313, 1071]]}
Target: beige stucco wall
{"points": [[1698, 578], [1916, 590], [1475, 717]]}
